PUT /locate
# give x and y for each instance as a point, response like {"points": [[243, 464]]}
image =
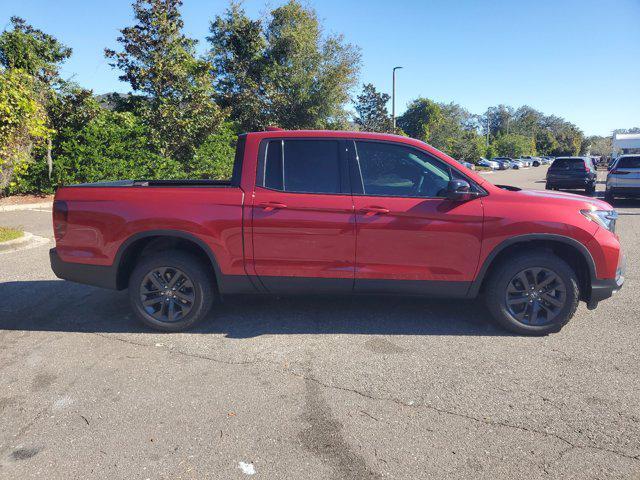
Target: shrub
{"points": [[214, 158], [111, 146]]}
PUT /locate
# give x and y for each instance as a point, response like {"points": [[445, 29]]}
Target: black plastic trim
{"points": [[477, 283], [427, 288], [96, 275], [307, 285], [603, 289]]}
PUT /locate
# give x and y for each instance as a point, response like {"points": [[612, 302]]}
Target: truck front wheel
{"points": [[533, 293], [170, 291]]}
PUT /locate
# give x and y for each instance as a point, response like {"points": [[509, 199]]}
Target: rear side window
{"points": [[302, 166], [568, 164], [629, 162]]}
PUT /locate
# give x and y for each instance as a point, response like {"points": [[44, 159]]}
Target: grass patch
{"points": [[7, 234]]}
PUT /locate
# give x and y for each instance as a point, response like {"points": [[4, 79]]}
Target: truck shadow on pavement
{"points": [[59, 306]]}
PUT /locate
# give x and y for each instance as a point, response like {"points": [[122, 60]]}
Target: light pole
{"points": [[393, 99], [487, 129]]}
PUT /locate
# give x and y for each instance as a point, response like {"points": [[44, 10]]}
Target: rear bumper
{"points": [[624, 191], [96, 275], [570, 182]]}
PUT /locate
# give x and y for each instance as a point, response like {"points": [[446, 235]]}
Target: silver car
{"points": [[623, 179]]}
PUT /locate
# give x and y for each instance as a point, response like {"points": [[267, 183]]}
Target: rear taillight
{"points": [[60, 214], [618, 172]]}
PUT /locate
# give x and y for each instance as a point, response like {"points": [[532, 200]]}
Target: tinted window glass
{"points": [[273, 166], [305, 166], [394, 170], [568, 164], [629, 162]]}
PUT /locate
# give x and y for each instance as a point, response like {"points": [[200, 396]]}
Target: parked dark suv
{"points": [[572, 173]]}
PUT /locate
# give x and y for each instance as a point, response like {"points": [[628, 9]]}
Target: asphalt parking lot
{"points": [[312, 388]]}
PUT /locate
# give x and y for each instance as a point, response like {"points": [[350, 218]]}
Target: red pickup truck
{"points": [[339, 213]]}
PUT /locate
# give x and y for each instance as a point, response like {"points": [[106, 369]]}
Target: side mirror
{"points": [[459, 191]]}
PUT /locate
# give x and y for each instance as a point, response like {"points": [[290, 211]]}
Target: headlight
{"points": [[604, 218]]}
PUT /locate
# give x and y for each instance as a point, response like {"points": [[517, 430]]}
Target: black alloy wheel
{"points": [[171, 290], [535, 296], [167, 294]]}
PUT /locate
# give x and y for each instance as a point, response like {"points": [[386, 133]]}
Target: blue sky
{"points": [[573, 58]]}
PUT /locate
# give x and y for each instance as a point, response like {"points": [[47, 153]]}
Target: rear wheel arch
{"points": [[145, 243], [566, 248]]}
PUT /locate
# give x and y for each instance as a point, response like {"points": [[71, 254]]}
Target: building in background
{"points": [[625, 143]]}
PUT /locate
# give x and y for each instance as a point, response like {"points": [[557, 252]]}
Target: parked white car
{"points": [[623, 179], [488, 163]]}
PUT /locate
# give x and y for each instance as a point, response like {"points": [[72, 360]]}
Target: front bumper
{"points": [[96, 275], [603, 289]]}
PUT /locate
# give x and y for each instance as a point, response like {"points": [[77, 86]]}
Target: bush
{"points": [[214, 158], [111, 146]]}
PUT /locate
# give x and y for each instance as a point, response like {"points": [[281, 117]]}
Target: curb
{"points": [[25, 206], [27, 240]]}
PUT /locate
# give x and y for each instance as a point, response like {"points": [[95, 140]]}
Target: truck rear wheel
{"points": [[533, 293], [170, 291]]}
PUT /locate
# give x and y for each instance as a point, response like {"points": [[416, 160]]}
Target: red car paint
{"points": [[261, 235]]}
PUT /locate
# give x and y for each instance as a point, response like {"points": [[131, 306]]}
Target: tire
{"points": [[180, 306], [504, 279]]}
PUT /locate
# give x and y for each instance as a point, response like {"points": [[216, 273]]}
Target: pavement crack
{"points": [[369, 396], [571, 445], [177, 351]]}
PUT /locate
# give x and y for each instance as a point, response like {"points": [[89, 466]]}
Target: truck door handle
{"points": [[374, 210], [270, 206]]}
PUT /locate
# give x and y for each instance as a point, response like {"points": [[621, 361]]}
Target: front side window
{"points": [[398, 171], [302, 166]]}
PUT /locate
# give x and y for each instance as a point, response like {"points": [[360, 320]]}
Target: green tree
{"points": [[283, 71], [498, 119], [237, 52], [311, 75], [456, 133], [514, 145], [420, 118], [23, 122], [545, 142], [31, 50], [371, 108], [29, 60], [600, 145], [159, 61]]}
